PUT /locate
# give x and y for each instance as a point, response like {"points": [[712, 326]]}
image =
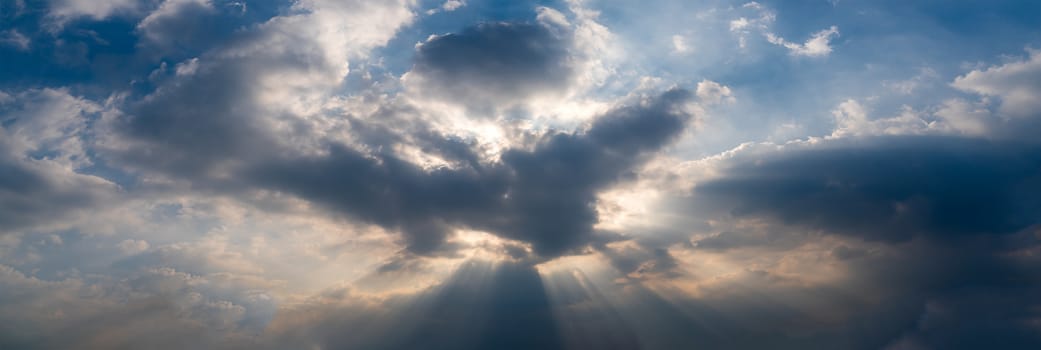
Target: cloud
{"points": [[928, 229], [907, 87], [160, 309], [818, 45], [712, 92], [742, 26], [133, 246], [728, 240], [238, 97], [15, 39], [192, 122], [493, 63], [1016, 84], [62, 11], [542, 196], [43, 137], [210, 123], [1009, 117], [889, 189], [962, 115], [680, 45], [853, 119], [452, 5], [183, 25], [951, 117]]}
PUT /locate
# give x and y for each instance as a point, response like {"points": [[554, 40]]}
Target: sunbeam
{"points": [[493, 174]]}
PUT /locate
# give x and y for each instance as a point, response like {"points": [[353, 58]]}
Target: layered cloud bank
{"points": [[553, 175]]}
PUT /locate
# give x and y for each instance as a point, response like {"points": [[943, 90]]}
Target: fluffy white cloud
{"points": [[744, 26], [65, 10], [452, 5], [47, 124], [1017, 84], [680, 45], [1006, 108], [966, 117], [953, 117], [711, 92], [818, 45]]}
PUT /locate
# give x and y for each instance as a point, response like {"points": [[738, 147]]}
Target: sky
{"points": [[557, 174]]}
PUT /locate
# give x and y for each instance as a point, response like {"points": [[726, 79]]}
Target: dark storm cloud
{"points": [[504, 62], [954, 222], [544, 196], [551, 198], [890, 189]]}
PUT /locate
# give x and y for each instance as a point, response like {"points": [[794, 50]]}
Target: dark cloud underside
{"points": [[544, 197], [891, 189], [497, 63]]}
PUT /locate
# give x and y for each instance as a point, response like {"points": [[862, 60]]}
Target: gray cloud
{"points": [[543, 196], [212, 127], [954, 220], [891, 189], [494, 64], [42, 135], [232, 103], [40, 195], [193, 123]]}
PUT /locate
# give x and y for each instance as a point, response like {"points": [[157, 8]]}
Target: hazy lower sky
{"points": [[560, 174]]}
